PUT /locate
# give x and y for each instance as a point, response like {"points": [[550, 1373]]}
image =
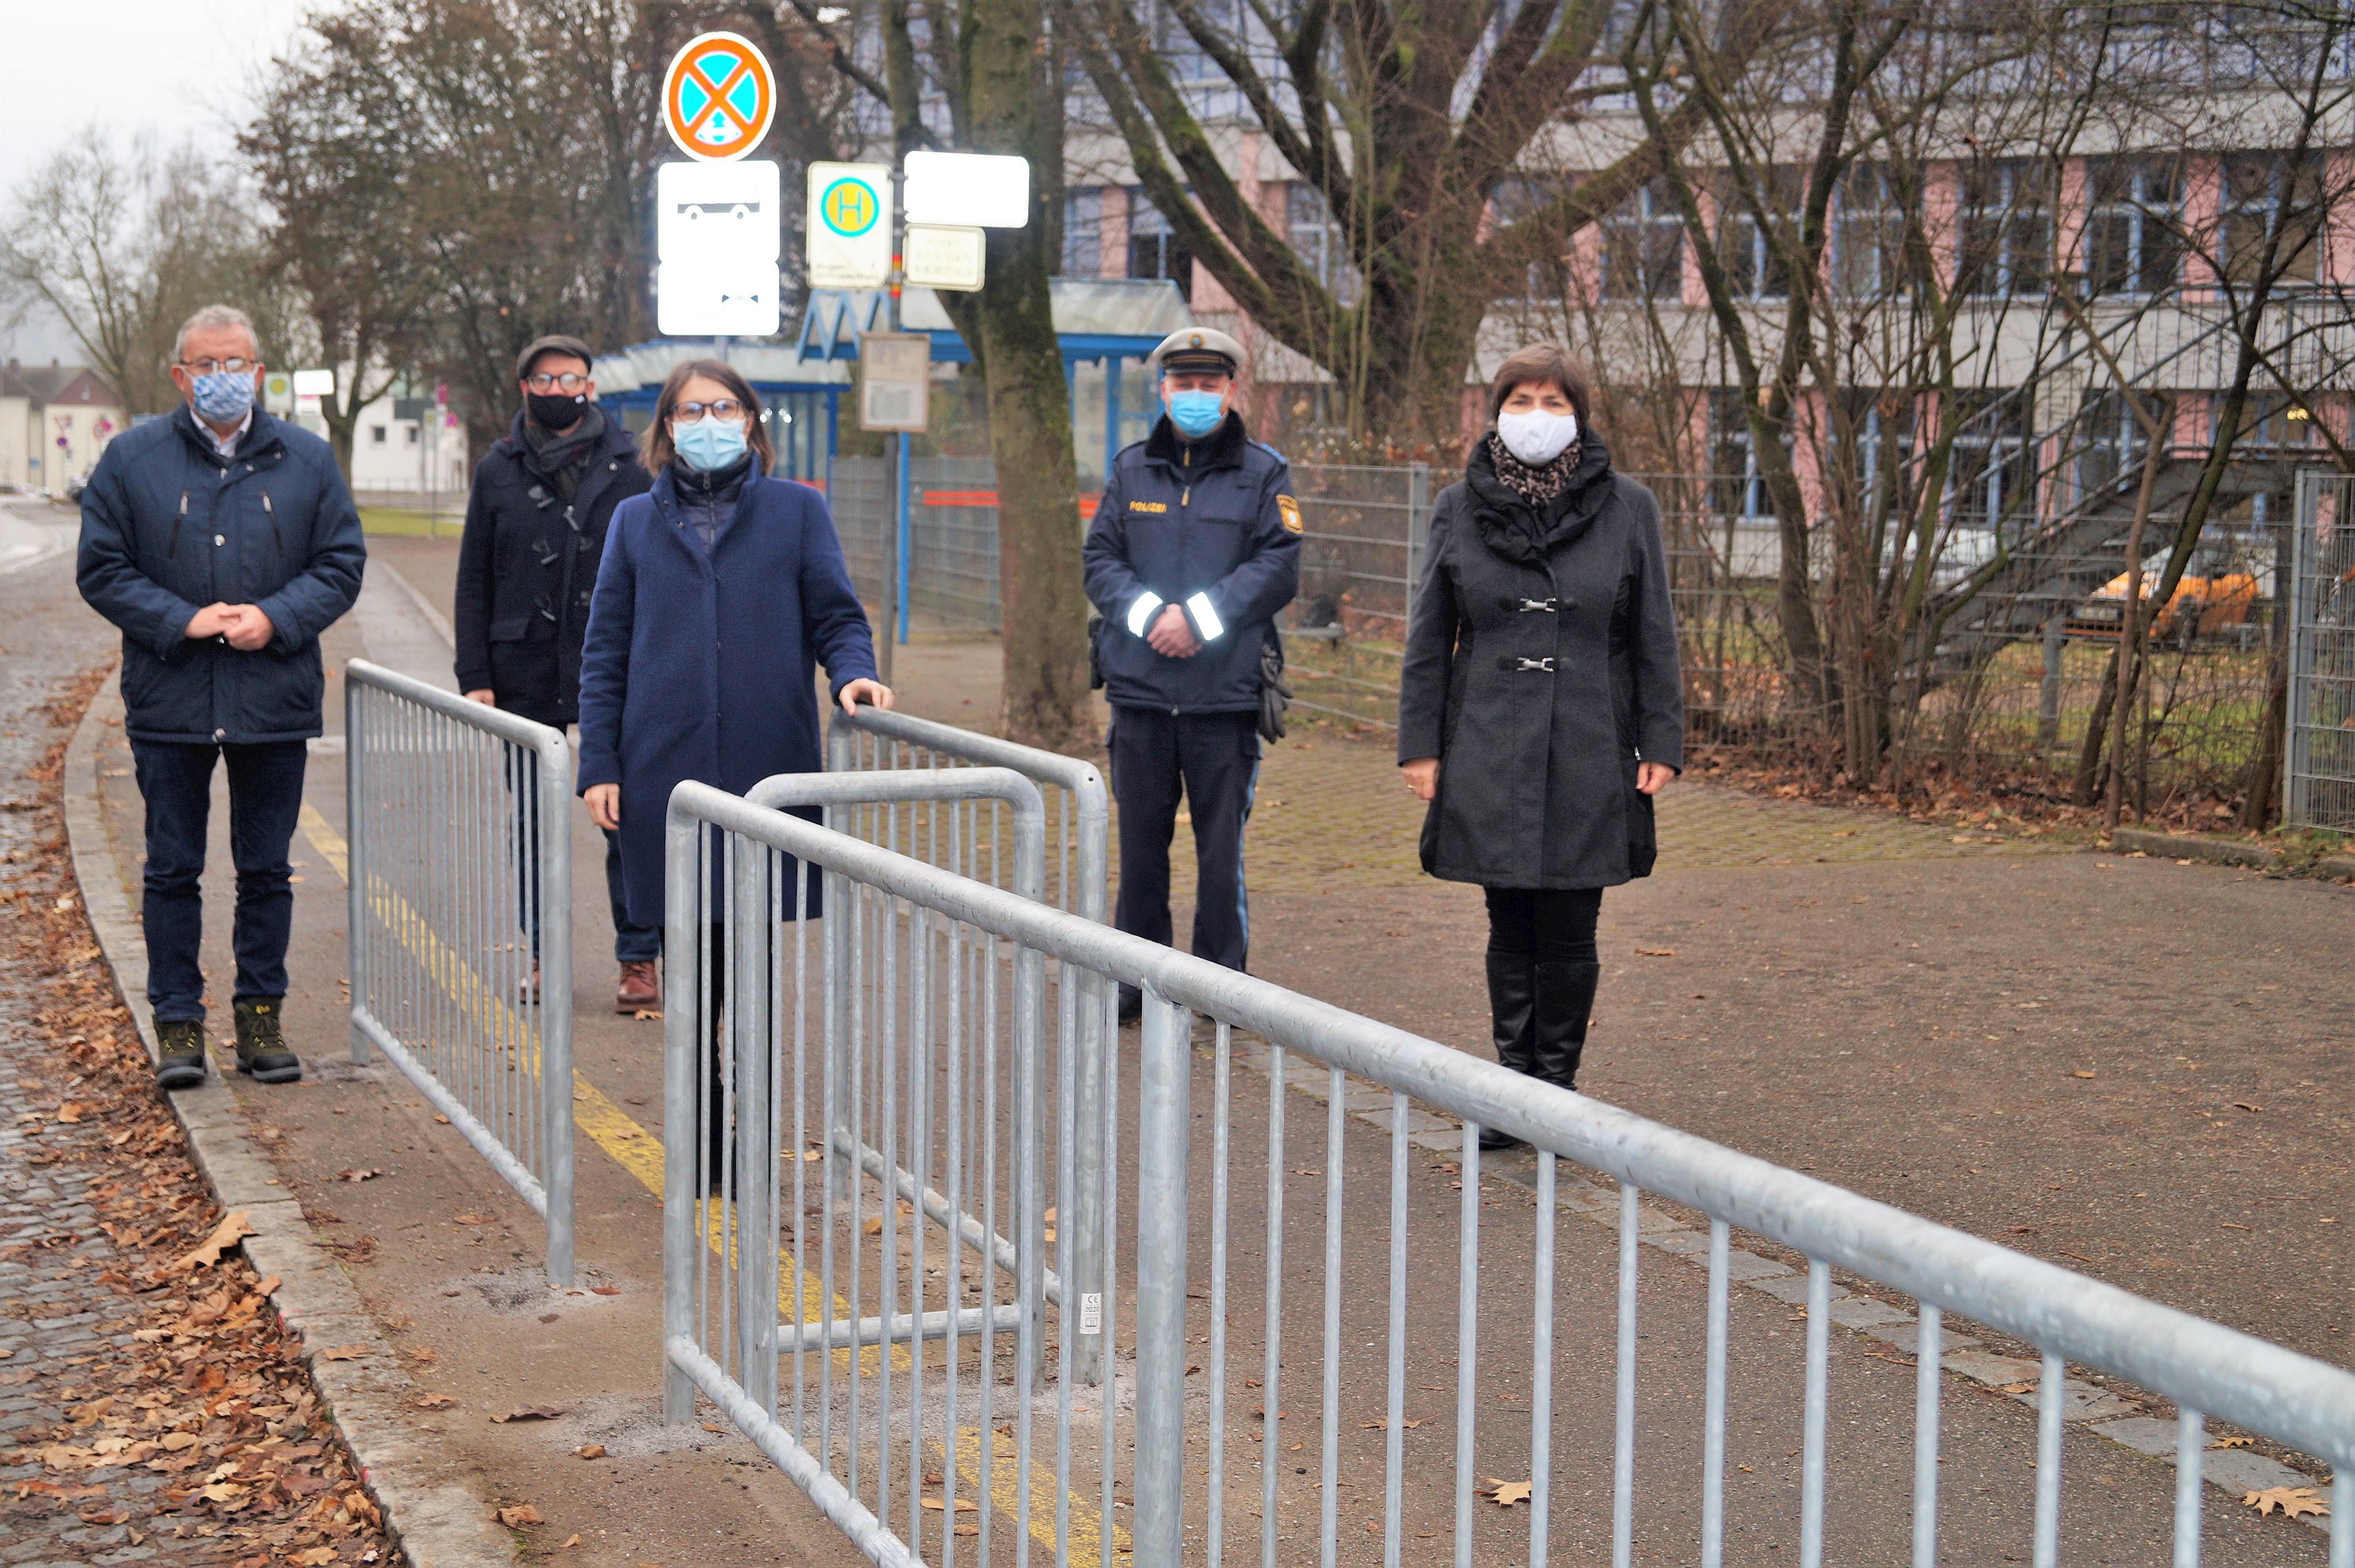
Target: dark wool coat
{"points": [[1541, 667], [169, 525], [698, 664], [525, 568]]}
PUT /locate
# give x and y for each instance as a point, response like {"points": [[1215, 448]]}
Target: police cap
{"points": [[1198, 348]]}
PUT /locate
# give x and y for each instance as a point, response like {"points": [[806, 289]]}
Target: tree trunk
{"points": [[1043, 605], [2097, 729]]}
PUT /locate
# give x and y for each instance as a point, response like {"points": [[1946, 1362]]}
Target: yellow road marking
{"points": [[632, 1148]]}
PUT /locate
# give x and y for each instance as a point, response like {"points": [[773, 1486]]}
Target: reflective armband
{"points": [[1206, 618], [1140, 612]]}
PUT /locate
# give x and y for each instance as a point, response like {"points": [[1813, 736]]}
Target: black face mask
{"points": [[554, 412]]}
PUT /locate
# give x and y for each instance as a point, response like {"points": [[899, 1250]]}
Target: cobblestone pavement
{"points": [[145, 1415]]}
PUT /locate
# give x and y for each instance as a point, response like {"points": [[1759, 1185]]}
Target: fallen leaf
{"points": [[434, 1401], [69, 1112], [604, 1290], [570, 1542], [813, 1154], [1384, 1425], [2237, 1104], [968, 1529], [315, 1557], [520, 1515], [1656, 952], [590, 1451], [269, 1286], [2294, 1501], [441, 1118], [175, 1441], [2232, 1443], [2081, 1072], [874, 1227], [529, 1413], [646, 1014], [223, 1492], [963, 1504], [713, 1426], [227, 1233], [471, 1220], [344, 1352], [357, 1175], [1507, 1493]]}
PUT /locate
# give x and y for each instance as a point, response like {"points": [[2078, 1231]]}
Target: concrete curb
{"points": [[2338, 868], [429, 1503], [2195, 847]]}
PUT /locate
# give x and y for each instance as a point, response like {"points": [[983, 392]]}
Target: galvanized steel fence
{"points": [[2321, 772], [459, 819], [915, 1062]]}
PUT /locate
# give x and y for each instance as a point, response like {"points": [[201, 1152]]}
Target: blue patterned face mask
{"points": [[709, 443], [222, 397], [1196, 414]]}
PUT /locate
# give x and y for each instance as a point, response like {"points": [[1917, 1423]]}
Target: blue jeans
{"points": [[266, 801]]}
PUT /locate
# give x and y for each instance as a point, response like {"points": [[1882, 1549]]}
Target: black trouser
{"points": [[1213, 760], [1544, 923], [266, 801]]}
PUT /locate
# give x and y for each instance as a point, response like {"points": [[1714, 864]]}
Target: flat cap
{"points": [[1198, 348]]}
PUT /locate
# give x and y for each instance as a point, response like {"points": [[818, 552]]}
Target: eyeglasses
{"points": [[212, 367], [719, 409], [567, 382]]}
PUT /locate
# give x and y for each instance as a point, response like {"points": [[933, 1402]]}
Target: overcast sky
{"points": [[182, 68]]}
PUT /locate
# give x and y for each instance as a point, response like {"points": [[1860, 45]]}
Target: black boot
{"points": [[1565, 999], [261, 1053], [1512, 1013], [182, 1044]]}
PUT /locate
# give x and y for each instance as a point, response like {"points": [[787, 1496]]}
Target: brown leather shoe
{"points": [[641, 987]]}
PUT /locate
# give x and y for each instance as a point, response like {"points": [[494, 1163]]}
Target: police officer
{"points": [[1195, 548]]}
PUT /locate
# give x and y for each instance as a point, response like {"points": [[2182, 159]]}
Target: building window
{"points": [[1738, 489], [2111, 443], [2007, 220], [2134, 225], [376, 435], [1883, 429], [2268, 195], [1643, 246], [1754, 253], [1869, 232], [1153, 251], [1992, 467], [1322, 247], [412, 436], [1082, 232]]}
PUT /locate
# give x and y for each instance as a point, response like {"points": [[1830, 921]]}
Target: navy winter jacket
{"points": [[699, 662], [169, 525], [1203, 525]]}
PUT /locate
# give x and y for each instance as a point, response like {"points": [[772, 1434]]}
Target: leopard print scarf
{"points": [[1536, 484]]}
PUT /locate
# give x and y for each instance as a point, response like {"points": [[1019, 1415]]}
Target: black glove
{"points": [[1095, 652], [1274, 694]]}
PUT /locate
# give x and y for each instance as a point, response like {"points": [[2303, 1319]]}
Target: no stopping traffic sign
{"points": [[718, 97]]}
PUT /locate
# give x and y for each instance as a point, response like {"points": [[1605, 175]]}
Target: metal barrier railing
{"points": [[2318, 762], [458, 819], [1078, 870], [891, 1419]]}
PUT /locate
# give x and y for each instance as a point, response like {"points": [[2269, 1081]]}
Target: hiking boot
{"points": [[640, 989], [261, 1053], [182, 1062]]}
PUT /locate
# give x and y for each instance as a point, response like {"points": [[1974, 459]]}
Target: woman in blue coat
{"points": [[720, 591]]}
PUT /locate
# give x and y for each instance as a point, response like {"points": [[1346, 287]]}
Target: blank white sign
{"points": [[973, 190], [696, 299]]}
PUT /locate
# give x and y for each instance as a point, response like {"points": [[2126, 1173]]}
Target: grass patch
{"points": [[409, 523]]}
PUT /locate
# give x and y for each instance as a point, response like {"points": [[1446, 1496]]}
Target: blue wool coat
{"points": [[700, 665]]}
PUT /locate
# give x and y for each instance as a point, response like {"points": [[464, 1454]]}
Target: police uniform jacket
{"points": [[526, 566], [169, 525], [1540, 666], [1209, 526]]}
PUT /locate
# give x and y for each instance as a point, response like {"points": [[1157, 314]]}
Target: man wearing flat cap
{"points": [[1194, 550]]}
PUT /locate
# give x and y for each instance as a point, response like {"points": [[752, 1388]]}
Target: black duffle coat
{"points": [[1541, 667]]}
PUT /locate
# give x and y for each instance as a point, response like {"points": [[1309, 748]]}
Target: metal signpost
{"points": [[717, 219]]}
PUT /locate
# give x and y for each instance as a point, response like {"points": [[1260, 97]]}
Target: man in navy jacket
{"points": [[222, 543], [1194, 550]]}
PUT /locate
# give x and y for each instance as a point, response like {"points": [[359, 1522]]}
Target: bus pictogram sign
{"points": [[718, 97]]}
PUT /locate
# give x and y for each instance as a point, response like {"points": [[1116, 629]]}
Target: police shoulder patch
{"points": [[1148, 506], [1289, 510]]}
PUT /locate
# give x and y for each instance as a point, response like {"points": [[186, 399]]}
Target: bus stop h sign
{"points": [[718, 97]]}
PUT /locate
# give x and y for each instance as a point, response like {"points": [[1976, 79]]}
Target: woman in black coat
{"points": [[1540, 708]]}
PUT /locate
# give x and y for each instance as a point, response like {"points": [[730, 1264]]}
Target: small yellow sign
{"points": [[1289, 509], [1148, 506]]}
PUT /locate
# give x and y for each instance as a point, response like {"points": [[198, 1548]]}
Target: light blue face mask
{"points": [[223, 396], [1196, 414], [709, 444]]}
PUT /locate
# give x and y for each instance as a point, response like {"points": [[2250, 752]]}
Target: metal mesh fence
{"points": [[2321, 729]]}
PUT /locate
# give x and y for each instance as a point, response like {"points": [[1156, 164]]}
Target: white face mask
{"points": [[1537, 437]]}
